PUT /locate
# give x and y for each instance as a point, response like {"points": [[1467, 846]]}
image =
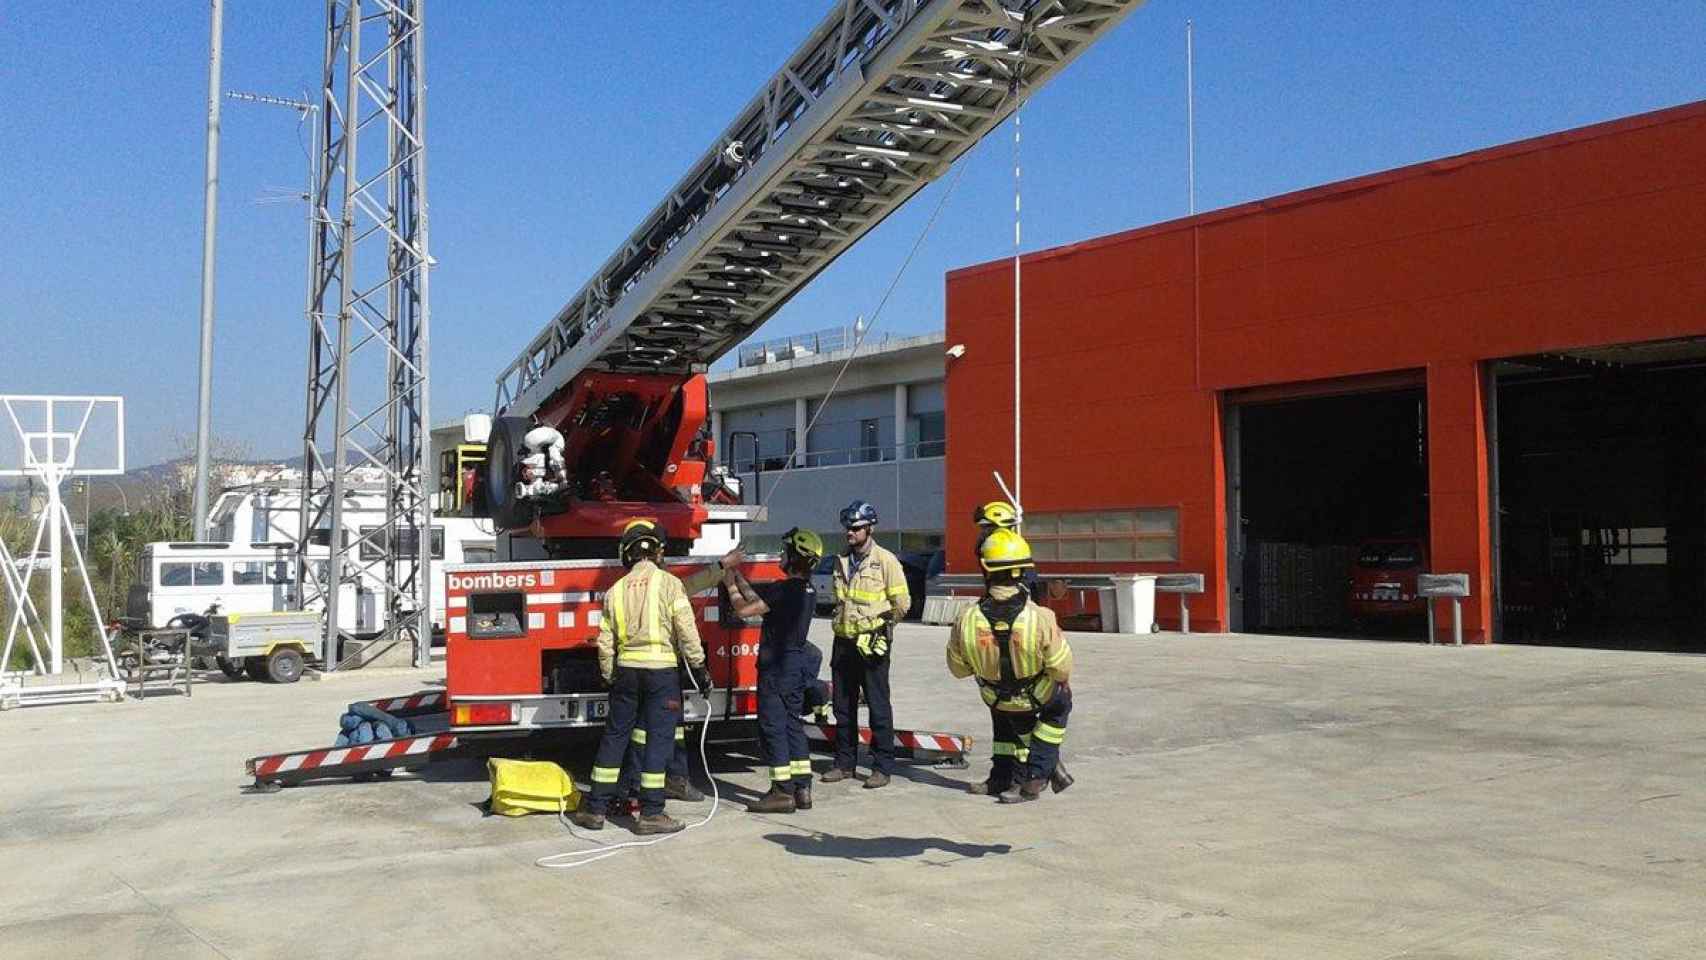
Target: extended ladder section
{"points": [[879, 101]]}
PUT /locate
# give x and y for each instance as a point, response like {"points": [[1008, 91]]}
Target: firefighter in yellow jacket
{"points": [[1023, 667], [870, 598], [647, 631]]}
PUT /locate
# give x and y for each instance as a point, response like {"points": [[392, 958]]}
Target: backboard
{"points": [[68, 435]]}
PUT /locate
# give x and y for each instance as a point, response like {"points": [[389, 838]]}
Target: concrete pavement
{"points": [[1237, 797]]}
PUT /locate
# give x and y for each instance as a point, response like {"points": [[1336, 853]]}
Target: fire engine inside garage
{"points": [[1491, 365]]}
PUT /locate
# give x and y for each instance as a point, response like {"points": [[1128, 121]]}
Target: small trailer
{"points": [[270, 647]]}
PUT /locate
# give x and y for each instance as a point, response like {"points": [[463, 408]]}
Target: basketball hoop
{"points": [[51, 439]]}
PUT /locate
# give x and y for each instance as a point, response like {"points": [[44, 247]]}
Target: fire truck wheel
{"points": [[505, 451], [229, 667], [284, 665], [256, 667]]}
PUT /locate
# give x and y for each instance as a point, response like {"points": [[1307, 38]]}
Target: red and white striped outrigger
{"points": [[427, 701], [919, 744], [289, 769]]}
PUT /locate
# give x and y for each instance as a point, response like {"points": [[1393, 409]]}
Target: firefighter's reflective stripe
{"points": [[606, 774], [1049, 733], [857, 626], [680, 733], [651, 781], [638, 736], [800, 768], [652, 648], [866, 590], [982, 653], [778, 774]]}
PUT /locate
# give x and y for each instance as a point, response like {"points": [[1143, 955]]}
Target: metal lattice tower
{"points": [[367, 405]]}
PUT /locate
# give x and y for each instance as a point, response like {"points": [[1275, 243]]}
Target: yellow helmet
{"points": [[641, 536], [996, 513], [1004, 550], [805, 544]]}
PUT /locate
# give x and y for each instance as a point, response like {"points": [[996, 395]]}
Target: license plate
{"points": [[597, 709]]}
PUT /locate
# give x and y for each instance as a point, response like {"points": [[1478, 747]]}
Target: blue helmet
{"points": [[859, 513]]}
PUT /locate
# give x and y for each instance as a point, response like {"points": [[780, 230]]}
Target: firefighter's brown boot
{"points": [[779, 800], [681, 788], [876, 779], [658, 823], [988, 788], [836, 775], [1028, 791], [587, 820], [803, 796]]}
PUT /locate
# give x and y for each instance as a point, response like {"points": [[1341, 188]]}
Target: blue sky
{"points": [[555, 127]]}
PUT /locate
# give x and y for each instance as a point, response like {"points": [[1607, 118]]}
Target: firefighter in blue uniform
{"points": [[787, 607]]}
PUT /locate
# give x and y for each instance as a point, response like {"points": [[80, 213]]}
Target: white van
{"points": [[175, 579]]}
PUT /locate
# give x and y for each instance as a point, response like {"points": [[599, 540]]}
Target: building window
{"points": [[372, 543], [1140, 536], [929, 434], [1630, 547], [869, 451], [790, 443]]}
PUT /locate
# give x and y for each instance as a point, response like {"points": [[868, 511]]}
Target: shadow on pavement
{"points": [[817, 844]]}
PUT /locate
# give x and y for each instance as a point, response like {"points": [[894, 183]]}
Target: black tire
{"points": [[503, 452], [230, 668], [285, 665], [256, 668]]}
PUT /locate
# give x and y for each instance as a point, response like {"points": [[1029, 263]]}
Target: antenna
{"points": [[1191, 115]]}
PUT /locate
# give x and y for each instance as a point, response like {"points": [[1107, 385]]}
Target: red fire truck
{"points": [[602, 417]]}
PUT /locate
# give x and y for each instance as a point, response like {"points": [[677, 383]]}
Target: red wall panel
{"points": [[1590, 237]]}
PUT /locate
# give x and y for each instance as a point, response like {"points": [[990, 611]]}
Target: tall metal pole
{"points": [[422, 406], [55, 574], [1018, 356], [210, 216], [347, 294], [1191, 113]]}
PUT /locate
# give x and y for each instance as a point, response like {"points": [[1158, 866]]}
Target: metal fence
{"points": [[775, 454], [802, 345]]}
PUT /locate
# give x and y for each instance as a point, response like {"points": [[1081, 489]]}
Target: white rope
{"points": [[580, 858]]}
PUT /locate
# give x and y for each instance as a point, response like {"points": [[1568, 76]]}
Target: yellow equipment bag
{"points": [[521, 787]]}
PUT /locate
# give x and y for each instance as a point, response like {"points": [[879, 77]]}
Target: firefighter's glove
{"points": [[872, 646], [604, 681], [701, 679]]}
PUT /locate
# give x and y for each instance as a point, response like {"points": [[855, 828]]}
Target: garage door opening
{"points": [[1601, 493], [1328, 513]]}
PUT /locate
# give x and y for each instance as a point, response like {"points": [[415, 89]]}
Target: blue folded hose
{"points": [[396, 726]]}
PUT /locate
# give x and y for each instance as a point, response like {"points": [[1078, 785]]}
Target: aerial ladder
{"points": [[602, 417], [878, 102]]}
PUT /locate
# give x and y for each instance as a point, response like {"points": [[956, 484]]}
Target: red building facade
{"points": [[1134, 343]]}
